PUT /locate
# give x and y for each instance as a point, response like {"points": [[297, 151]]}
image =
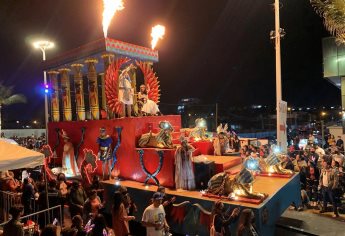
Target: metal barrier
{"points": [[41, 218], [8, 199]]}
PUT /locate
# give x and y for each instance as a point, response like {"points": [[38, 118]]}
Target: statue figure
{"points": [[221, 142], [239, 185], [69, 164], [104, 151], [199, 131], [272, 164], [163, 139], [184, 175]]}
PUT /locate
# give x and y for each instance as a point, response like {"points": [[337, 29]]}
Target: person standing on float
{"points": [[126, 91], [104, 151]]}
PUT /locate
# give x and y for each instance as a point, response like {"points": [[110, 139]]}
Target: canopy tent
{"points": [[15, 157]]}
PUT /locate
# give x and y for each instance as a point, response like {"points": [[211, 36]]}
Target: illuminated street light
{"points": [[44, 45], [323, 113], [35, 122]]}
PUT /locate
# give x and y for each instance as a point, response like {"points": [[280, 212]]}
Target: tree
{"points": [[8, 98], [333, 12]]}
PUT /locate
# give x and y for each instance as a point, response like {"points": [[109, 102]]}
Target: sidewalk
{"points": [[312, 222]]}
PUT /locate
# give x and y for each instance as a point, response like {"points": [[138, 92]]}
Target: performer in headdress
{"points": [[104, 151], [184, 175], [126, 91], [69, 164], [221, 142], [146, 106]]}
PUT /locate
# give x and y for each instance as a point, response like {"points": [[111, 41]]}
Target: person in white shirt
{"points": [[154, 217]]}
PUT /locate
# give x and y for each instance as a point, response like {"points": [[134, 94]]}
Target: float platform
{"points": [[190, 219]]}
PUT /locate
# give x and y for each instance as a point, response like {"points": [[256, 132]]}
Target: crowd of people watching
{"points": [[31, 142]]}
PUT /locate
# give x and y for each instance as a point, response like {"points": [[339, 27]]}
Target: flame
{"points": [[157, 33], [110, 8]]}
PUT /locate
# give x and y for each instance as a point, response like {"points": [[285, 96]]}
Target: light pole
{"points": [[44, 45]]}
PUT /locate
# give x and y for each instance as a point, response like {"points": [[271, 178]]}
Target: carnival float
{"points": [[105, 120]]}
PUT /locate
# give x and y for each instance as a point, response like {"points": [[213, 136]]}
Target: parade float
{"points": [[101, 124]]}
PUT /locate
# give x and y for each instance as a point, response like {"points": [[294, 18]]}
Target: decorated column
{"points": [[79, 91], [93, 88], [55, 111], [66, 94], [108, 58]]}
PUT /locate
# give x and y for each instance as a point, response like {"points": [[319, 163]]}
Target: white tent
{"points": [[15, 157]]}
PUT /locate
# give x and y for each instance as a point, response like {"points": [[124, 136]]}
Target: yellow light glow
{"points": [[323, 113], [157, 33], [270, 169], [110, 7], [146, 187]]}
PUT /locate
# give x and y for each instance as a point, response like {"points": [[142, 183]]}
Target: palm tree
{"points": [[8, 98], [333, 12]]}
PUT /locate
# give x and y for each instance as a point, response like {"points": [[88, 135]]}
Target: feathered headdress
{"points": [[221, 129]]}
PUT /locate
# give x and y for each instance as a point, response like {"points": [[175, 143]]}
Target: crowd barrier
{"points": [[52, 215]]}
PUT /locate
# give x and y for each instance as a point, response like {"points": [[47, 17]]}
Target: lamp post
{"points": [[44, 45]]}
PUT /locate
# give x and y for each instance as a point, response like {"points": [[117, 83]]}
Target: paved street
{"points": [[312, 223]]}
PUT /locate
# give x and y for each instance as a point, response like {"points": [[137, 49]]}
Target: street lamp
{"points": [[44, 45]]}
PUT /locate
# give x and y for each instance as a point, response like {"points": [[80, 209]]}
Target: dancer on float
{"points": [[126, 91], [146, 106], [69, 164], [104, 151]]}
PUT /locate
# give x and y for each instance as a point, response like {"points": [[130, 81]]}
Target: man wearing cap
{"points": [[154, 217], [104, 151]]}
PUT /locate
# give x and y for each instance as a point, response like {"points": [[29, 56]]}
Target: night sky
{"points": [[218, 51]]}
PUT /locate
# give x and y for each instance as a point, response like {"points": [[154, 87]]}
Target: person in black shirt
{"points": [[28, 194]]}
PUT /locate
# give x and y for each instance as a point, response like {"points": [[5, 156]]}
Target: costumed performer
{"points": [[104, 151], [221, 142], [184, 175], [69, 164], [146, 106], [199, 131], [126, 91]]}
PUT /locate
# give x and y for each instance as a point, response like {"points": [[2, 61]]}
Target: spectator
{"points": [[221, 219], [340, 144], [313, 156], [11, 183], [166, 199], [92, 206], [14, 227], [312, 183], [328, 182], [28, 194], [49, 230], [311, 139], [339, 157], [154, 217], [319, 151], [77, 198], [97, 186], [61, 186], [119, 216], [287, 163], [100, 227], [77, 226], [245, 225]]}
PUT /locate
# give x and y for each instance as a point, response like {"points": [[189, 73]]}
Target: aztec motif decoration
{"points": [[199, 131], [272, 164], [112, 84], [163, 139]]}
